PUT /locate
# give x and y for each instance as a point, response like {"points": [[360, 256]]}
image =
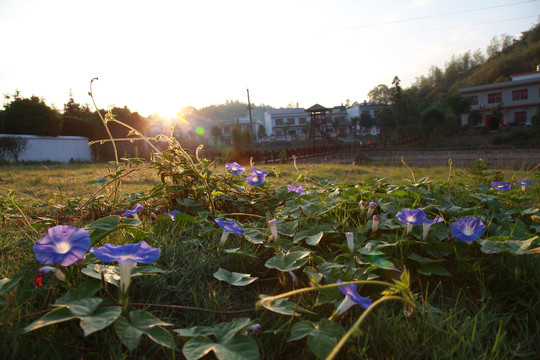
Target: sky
{"points": [[160, 56]]}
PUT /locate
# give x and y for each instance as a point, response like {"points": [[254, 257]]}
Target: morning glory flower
{"points": [[298, 189], [228, 227], [45, 269], [411, 217], [255, 179], [133, 212], [427, 224], [235, 168], [500, 185], [524, 183], [375, 224], [273, 229], [127, 256], [372, 207], [363, 205], [172, 214], [259, 172], [351, 298], [350, 240], [62, 245], [468, 229]]}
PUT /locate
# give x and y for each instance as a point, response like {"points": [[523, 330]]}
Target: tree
{"points": [[366, 121], [215, 130], [261, 132], [380, 94], [31, 116], [431, 121], [13, 146], [474, 118]]}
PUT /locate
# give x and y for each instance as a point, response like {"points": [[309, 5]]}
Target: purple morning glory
{"points": [[172, 214], [259, 172], [133, 211], [372, 207], [351, 298], [228, 227], [468, 229], [255, 179], [427, 224], [524, 183], [500, 185], [235, 168], [139, 253], [62, 245], [127, 256], [411, 217], [298, 189]]}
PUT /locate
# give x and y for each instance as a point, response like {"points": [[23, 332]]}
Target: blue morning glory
{"points": [[255, 179], [297, 189], [127, 256], [259, 172], [351, 298], [139, 253], [427, 224], [524, 183], [133, 211], [62, 245], [468, 229], [228, 227], [500, 185], [172, 214], [411, 217], [235, 168]]}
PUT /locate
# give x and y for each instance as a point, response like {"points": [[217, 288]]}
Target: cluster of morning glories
{"points": [[468, 229], [66, 245], [257, 176], [505, 185]]}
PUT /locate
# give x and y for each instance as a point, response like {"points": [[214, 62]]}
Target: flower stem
{"points": [[359, 321]]}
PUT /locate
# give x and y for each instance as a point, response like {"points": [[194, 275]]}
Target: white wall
{"points": [[57, 149]]}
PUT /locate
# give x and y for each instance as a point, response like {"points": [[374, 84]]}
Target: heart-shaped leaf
{"points": [[234, 278]]}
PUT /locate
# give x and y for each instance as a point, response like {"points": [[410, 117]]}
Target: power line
{"points": [[429, 16]]}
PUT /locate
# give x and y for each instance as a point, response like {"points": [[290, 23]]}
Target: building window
{"points": [[292, 132], [290, 121], [302, 121], [520, 94], [279, 122], [226, 130], [494, 98], [473, 99], [520, 117], [279, 132]]}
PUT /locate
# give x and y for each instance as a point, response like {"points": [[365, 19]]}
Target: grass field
{"points": [[434, 296]]}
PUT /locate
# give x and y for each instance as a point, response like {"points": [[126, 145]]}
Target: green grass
{"points": [[487, 308]]}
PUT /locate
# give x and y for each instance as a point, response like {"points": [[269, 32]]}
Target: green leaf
{"points": [[8, 284], [515, 247], [197, 347], [239, 347], [255, 236], [56, 316], [234, 278], [111, 273], [107, 223], [300, 330], [288, 262], [226, 330], [239, 251], [194, 331], [284, 307], [100, 320], [86, 289], [141, 322], [322, 340]]}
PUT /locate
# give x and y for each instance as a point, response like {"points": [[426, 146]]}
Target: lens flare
{"points": [[199, 130]]}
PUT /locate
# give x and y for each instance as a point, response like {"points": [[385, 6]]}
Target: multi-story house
{"points": [[282, 124], [370, 108], [228, 126], [507, 103]]}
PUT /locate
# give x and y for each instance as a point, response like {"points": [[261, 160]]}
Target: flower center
{"points": [[468, 231], [63, 247]]}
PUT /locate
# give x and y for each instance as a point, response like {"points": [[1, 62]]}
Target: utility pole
{"points": [[250, 124]]}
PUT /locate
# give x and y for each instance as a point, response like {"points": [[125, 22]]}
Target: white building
{"points": [[518, 100], [57, 149], [227, 127], [282, 123]]}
